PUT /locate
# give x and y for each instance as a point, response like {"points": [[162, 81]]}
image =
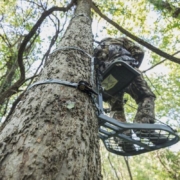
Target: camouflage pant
{"points": [[144, 97]]}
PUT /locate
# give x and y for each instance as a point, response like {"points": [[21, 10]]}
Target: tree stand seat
{"points": [[117, 77], [127, 139]]}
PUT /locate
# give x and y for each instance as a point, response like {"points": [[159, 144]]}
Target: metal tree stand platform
{"points": [[141, 138]]}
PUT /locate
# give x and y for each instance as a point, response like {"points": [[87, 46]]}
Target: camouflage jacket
{"points": [[109, 48]]}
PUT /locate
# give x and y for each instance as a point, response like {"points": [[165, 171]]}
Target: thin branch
{"points": [[38, 6], [53, 40], [6, 121], [2, 69], [174, 10], [19, 39], [128, 167], [159, 63], [154, 66], [31, 34], [14, 88], [155, 88], [5, 40], [12, 110], [6, 37], [113, 167], [163, 164], [44, 7], [5, 109], [135, 38], [10, 72]]}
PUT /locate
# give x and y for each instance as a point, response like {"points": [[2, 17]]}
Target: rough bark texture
{"points": [[47, 138]]}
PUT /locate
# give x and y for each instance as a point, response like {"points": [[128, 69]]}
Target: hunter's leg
{"points": [[144, 97], [117, 107], [117, 111], [145, 112]]}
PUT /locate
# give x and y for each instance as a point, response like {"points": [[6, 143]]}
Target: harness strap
{"points": [[54, 81]]}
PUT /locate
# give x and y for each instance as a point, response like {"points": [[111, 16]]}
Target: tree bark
{"points": [[53, 133]]}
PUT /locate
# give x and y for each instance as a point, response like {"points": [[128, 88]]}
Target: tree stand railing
{"points": [[127, 139]]}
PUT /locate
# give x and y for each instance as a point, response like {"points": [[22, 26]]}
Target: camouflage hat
{"points": [[102, 50]]}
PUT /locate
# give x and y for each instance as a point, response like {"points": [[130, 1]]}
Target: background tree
{"points": [[167, 7]]}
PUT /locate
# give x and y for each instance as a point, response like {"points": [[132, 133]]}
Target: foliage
{"points": [[159, 165], [13, 32], [167, 8]]}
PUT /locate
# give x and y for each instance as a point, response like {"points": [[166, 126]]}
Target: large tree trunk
{"points": [[47, 138]]}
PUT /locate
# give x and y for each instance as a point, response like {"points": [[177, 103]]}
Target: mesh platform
{"points": [[132, 139]]}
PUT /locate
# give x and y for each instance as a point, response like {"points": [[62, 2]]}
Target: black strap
{"points": [[81, 85]]}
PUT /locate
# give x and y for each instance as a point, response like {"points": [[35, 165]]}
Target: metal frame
{"points": [[111, 131]]}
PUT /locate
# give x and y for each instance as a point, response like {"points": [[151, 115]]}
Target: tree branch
{"points": [[159, 63], [31, 34], [128, 167], [154, 66], [3, 112], [135, 38], [163, 164], [53, 40], [113, 167], [14, 104], [5, 39], [164, 5], [14, 88]]}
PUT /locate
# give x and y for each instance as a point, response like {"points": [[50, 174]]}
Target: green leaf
{"points": [[70, 104]]}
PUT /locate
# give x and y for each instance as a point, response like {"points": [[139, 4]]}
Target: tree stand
{"points": [[140, 138]]}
